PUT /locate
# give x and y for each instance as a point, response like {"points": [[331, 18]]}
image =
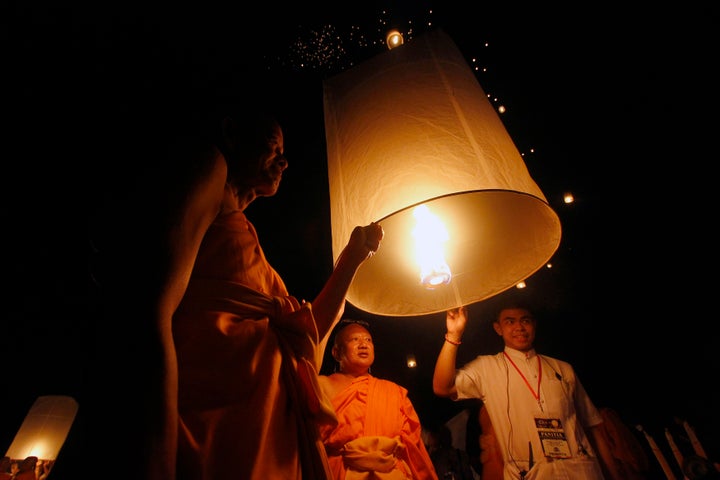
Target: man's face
{"points": [[517, 328], [355, 351], [256, 159], [271, 163]]}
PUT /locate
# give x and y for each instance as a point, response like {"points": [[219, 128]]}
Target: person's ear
{"points": [[496, 327], [335, 353]]}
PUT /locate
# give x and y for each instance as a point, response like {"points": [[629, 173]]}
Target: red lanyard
{"points": [[536, 395]]}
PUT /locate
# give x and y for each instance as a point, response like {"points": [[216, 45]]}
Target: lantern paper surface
{"points": [[413, 126], [45, 428]]}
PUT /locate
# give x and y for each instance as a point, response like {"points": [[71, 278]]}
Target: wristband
{"points": [[452, 342]]}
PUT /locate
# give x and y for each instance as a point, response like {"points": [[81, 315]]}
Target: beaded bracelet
{"points": [[452, 342]]}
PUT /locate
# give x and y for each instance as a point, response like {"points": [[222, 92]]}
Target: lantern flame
{"points": [[430, 235]]}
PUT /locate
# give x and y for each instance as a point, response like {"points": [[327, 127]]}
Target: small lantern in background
{"points": [[411, 361], [45, 428], [413, 129], [394, 39]]}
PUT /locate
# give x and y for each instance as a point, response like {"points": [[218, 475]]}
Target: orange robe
{"points": [[248, 356], [493, 465], [377, 435]]}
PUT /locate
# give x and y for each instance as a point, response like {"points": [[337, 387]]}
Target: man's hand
{"points": [[455, 321]]}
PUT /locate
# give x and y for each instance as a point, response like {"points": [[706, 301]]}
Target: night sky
{"points": [[610, 105]]}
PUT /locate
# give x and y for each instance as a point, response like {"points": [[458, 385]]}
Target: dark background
{"points": [[611, 104]]}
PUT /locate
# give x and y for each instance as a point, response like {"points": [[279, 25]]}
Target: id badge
{"points": [[552, 437]]}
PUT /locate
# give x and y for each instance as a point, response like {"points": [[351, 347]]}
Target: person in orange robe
{"points": [[5, 468], [218, 362], [491, 457], [27, 469], [248, 352], [378, 432]]}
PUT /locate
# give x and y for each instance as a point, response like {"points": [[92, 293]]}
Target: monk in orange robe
{"points": [[214, 361], [249, 353], [378, 432], [5, 468]]}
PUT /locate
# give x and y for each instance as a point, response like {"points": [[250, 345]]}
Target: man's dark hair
{"points": [[512, 301]]}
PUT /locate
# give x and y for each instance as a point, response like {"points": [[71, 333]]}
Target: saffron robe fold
{"points": [[378, 434], [248, 356]]}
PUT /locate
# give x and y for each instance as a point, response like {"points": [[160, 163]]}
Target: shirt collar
{"points": [[518, 355]]}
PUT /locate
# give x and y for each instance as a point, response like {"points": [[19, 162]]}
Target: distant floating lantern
{"points": [[45, 428], [411, 361], [412, 128], [394, 39]]}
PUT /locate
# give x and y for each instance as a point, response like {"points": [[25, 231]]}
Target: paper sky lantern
{"points": [[412, 127], [45, 428]]}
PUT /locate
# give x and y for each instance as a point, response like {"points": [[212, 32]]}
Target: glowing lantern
{"points": [[45, 428], [394, 39], [412, 127]]}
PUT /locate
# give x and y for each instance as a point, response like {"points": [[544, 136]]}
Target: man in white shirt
{"points": [[545, 422]]}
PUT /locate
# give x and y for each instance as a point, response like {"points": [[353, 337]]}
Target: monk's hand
{"points": [[366, 240], [373, 236]]}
